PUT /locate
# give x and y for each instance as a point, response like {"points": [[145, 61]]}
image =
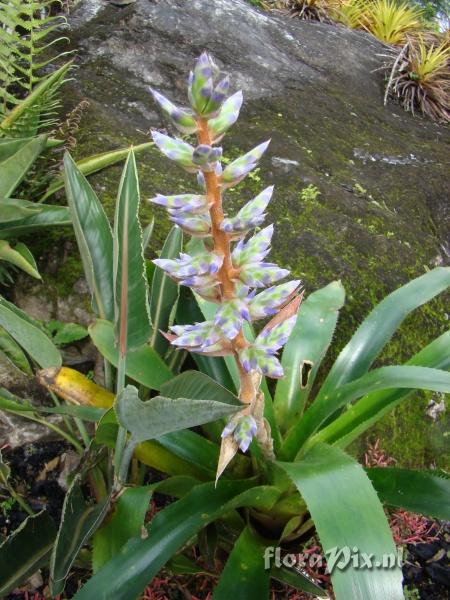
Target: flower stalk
{"points": [[230, 270]]}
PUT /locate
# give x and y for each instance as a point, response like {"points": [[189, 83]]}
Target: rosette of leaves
{"points": [[419, 77]]}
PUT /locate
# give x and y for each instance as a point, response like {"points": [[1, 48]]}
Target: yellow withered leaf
{"points": [[74, 387]]}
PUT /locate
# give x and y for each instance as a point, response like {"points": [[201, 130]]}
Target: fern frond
{"points": [[26, 29], [38, 110]]}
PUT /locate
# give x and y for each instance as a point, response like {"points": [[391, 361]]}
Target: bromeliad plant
{"points": [[300, 480], [419, 77], [284, 474]]}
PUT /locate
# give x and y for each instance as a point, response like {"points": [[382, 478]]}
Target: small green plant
{"points": [[391, 22], [265, 464], [310, 193], [419, 77], [65, 333]]}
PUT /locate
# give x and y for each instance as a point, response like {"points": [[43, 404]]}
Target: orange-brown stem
{"points": [[227, 272]]}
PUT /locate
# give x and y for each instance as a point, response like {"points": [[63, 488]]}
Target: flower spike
{"points": [[254, 250], [197, 226], [201, 86], [230, 316], [243, 428], [229, 268]]}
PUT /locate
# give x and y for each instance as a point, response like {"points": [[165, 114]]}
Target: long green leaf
{"points": [[245, 576], [29, 337], [94, 237], [195, 385], [9, 146], [126, 575], [298, 581], [416, 491], [20, 257], [79, 521], [378, 328], [130, 284], [347, 514], [92, 164], [379, 379], [25, 551], [144, 365], [125, 522], [14, 168], [49, 216], [370, 409], [164, 292], [13, 353], [305, 350], [158, 416], [12, 210]]}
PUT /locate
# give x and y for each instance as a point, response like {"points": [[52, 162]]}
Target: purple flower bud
{"points": [[182, 203], [175, 149], [183, 119], [205, 155], [227, 116], [201, 83], [243, 428], [238, 169]]}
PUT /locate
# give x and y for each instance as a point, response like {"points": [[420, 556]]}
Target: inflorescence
{"points": [[230, 270]]}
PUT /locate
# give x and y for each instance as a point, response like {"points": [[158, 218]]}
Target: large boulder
{"points": [[375, 212]]}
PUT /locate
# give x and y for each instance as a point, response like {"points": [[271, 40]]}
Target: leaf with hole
{"points": [[383, 378], [377, 329], [305, 349], [371, 408]]}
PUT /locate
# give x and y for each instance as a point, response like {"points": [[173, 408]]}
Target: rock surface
{"points": [[380, 215]]}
